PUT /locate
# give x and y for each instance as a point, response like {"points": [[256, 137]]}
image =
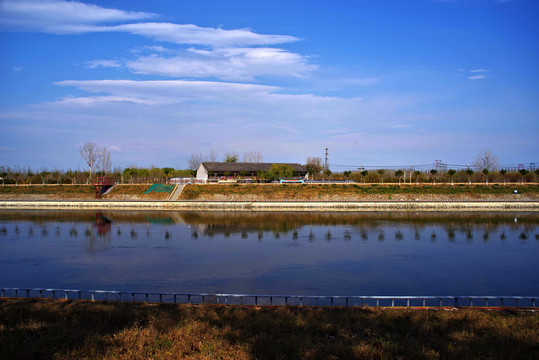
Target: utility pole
{"points": [[326, 162]]}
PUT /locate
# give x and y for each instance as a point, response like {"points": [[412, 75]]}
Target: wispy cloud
{"points": [[231, 64], [71, 17], [477, 77], [57, 16], [475, 74], [103, 63]]}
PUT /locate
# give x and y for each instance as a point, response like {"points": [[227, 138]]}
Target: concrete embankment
{"points": [[278, 205]]}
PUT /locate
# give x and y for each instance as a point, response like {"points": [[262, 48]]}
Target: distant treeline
{"points": [[136, 175], [130, 175]]}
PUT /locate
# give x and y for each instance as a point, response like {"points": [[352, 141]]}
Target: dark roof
{"points": [[248, 167]]}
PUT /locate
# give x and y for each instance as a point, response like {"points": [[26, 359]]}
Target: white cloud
{"points": [[232, 64], [57, 16], [478, 70], [71, 17], [477, 77], [103, 63], [196, 35], [17, 68]]}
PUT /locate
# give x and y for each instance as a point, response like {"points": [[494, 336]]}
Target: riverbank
{"points": [[101, 330], [277, 205]]}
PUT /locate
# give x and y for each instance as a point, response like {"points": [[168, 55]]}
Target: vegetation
{"points": [[347, 191], [100, 330]]}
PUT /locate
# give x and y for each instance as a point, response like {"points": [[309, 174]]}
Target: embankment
{"points": [[277, 205]]}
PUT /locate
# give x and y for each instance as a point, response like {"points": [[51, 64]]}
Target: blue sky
{"points": [[379, 83]]}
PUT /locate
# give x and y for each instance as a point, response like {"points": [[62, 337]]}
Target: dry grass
{"points": [[356, 192], [82, 330], [78, 192]]}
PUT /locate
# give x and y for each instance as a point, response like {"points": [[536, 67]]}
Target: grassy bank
{"points": [[278, 192], [358, 192], [78, 192], [84, 330]]}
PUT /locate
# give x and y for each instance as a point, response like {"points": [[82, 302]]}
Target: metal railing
{"points": [[273, 300]]}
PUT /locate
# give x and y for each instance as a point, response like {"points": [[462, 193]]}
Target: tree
{"points": [[346, 174], [280, 171], [451, 173], [212, 156], [194, 161], [485, 160], [91, 154], [417, 173], [104, 160], [314, 165], [381, 173], [434, 172], [167, 171], [328, 173], [503, 172], [231, 157], [523, 172], [253, 157], [469, 172], [486, 172], [399, 174], [364, 173]]}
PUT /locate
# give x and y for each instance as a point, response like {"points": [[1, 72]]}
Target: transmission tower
{"points": [[326, 162]]}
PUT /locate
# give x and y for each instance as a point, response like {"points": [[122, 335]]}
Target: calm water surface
{"points": [[362, 253]]}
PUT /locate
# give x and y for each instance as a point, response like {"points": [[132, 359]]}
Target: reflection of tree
{"points": [[523, 236], [451, 234], [295, 235], [260, 235], [30, 230], [328, 235], [347, 235], [398, 235], [381, 236]]}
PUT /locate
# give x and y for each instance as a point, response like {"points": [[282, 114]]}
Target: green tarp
{"points": [[160, 188]]}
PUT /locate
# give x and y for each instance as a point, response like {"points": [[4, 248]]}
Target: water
{"points": [[360, 253]]}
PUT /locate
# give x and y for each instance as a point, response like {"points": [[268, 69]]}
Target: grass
{"points": [[322, 191], [47, 329]]}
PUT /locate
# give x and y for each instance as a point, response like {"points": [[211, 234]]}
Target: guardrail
{"points": [[274, 300]]}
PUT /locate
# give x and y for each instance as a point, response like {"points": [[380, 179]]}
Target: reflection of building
{"points": [[219, 170], [102, 223]]}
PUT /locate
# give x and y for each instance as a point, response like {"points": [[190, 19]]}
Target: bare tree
{"points": [[253, 157], [104, 160], [90, 153], [485, 160], [314, 165], [212, 156], [194, 161]]}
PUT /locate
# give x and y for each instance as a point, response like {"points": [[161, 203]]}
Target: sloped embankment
{"points": [[355, 192]]}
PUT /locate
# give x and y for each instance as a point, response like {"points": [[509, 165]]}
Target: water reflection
{"points": [[320, 253]]}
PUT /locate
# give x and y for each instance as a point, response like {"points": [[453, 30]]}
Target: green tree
{"points": [[328, 173], [231, 157], [281, 171], [469, 172], [346, 174], [417, 173], [399, 174], [486, 172], [451, 173], [523, 172], [381, 173], [364, 174], [503, 172], [434, 172]]}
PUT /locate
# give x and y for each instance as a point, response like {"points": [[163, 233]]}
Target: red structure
{"points": [[102, 184]]}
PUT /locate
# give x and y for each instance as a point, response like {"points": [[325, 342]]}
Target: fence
{"points": [[274, 300]]}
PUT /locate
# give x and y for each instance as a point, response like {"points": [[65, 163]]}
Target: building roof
{"points": [[248, 167]]}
